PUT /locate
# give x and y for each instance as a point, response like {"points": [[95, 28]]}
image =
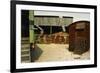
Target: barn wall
{"points": [[77, 16]]}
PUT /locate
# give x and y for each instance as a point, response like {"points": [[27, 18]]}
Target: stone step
{"points": [[25, 42], [25, 59], [25, 55], [25, 46], [25, 52], [24, 38]]}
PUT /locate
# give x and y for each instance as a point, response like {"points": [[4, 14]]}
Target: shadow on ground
{"points": [[36, 53]]}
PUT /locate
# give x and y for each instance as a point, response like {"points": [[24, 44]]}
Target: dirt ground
{"points": [[59, 52]]}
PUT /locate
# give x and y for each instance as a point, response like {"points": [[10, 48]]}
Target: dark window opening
{"points": [[25, 23]]}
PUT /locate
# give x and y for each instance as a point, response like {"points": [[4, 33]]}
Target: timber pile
{"points": [[57, 38]]}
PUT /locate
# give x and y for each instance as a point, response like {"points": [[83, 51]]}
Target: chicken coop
{"points": [[79, 37]]}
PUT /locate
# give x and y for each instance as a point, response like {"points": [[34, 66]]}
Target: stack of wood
{"points": [[57, 38], [61, 38]]}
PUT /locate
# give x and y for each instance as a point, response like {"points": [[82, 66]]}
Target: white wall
{"points": [[76, 15]]}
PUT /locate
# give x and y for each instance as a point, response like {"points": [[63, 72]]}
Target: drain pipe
{"points": [[63, 28], [61, 23], [41, 30]]}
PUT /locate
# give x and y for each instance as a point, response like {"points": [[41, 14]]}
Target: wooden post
{"points": [[31, 26]]}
